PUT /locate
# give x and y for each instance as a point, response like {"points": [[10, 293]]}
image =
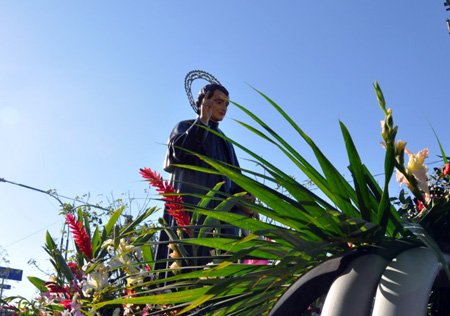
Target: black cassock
{"points": [[190, 135]]}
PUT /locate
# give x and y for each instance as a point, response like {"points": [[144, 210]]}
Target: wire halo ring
{"points": [[191, 77]]}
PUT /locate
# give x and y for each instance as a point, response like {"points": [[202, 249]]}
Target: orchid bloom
{"points": [[72, 307], [96, 280], [124, 258], [137, 277]]}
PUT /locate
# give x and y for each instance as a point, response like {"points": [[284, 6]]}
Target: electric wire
{"points": [[32, 234]]}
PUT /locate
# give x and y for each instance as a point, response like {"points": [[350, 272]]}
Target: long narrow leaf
{"points": [[113, 219], [357, 170]]}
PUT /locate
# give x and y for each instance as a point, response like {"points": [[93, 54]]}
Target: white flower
{"points": [[123, 257], [137, 277], [96, 280]]}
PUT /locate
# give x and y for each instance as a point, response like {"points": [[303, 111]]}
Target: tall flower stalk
{"points": [[80, 236], [174, 202]]}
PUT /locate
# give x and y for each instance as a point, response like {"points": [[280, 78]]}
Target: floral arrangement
{"points": [[428, 206], [430, 199], [110, 263], [113, 271]]}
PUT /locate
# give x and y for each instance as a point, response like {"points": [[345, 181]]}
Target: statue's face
{"points": [[219, 106]]}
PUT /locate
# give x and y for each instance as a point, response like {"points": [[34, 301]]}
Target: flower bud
{"points": [[389, 118], [400, 147], [384, 128]]}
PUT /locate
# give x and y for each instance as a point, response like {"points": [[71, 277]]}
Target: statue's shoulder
{"points": [[185, 123], [182, 126], [190, 122]]}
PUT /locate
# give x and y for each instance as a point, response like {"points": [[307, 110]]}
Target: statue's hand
{"points": [[248, 211], [206, 109]]}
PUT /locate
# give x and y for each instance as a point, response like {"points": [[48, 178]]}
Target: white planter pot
{"points": [[370, 284]]}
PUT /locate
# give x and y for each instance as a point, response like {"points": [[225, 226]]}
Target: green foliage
{"points": [[309, 229], [306, 230]]}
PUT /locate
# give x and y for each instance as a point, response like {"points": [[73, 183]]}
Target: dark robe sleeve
{"points": [[186, 135], [192, 136]]}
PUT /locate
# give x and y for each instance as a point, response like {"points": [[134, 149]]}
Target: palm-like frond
{"points": [[307, 228]]}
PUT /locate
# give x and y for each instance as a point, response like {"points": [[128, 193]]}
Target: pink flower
{"points": [[446, 170], [74, 268], [173, 202], [67, 304], [420, 206], [80, 236], [55, 291], [53, 287], [252, 261]]}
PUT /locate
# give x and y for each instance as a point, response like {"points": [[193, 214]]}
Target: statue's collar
{"points": [[213, 125]]}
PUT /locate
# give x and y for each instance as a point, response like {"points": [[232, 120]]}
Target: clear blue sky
{"points": [[89, 91]]}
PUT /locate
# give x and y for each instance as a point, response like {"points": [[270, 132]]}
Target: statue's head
{"points": [[211, 88]]}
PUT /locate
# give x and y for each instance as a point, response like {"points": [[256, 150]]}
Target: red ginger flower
{"points": [[173, 202], [80, 236]]}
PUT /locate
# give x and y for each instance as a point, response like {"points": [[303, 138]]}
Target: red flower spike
{"points": [[446, 170], [80, 236], [173, 202]]}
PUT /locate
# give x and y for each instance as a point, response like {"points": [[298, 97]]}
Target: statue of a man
{"points": [[212, 105]]}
